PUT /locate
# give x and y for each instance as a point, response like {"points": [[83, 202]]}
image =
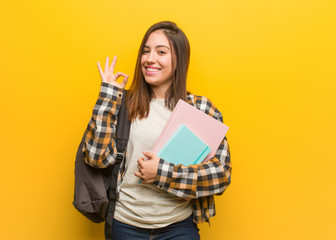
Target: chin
{"points": [[152, 83]]}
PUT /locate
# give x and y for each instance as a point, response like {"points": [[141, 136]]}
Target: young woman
{"points": [[171, 199]]}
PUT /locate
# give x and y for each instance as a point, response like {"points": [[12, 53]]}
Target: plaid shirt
{"points": [[197, 182]]}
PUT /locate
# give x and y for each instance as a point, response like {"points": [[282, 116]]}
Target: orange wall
{"points": [[269, 66]]}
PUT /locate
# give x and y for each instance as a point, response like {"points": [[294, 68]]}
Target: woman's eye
{"points": [[162, 52], [145, 51]]}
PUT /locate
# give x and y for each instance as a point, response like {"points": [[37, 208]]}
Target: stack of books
{"points": [[190, 136]]}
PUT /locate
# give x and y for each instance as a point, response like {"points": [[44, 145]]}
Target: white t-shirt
{"points": [[144, 205]]}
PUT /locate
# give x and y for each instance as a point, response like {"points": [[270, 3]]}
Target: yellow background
{"points": [[269, 66]]}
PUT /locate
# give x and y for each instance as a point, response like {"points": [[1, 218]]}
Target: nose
{"points": [[150, 57]]}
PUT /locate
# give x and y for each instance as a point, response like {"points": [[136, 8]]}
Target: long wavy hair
{"points": [[140, 94]]}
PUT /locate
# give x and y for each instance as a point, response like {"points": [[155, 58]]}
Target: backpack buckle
{"points": [[120, 157]]}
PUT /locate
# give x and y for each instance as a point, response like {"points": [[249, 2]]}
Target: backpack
{"points": [[95, 189]]}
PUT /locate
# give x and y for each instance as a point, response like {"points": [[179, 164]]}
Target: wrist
{"points": [[110, 91], [164, 174]]}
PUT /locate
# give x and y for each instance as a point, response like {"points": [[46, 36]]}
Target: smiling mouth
{"points": [[149, 69]]}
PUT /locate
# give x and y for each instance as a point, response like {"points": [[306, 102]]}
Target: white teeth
{"points": [[152, 69]]}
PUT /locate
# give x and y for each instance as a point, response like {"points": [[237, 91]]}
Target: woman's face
{"points": [[156, 61]]}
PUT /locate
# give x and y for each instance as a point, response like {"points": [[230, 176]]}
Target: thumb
{"points": [[124, 82], [149, 155]]}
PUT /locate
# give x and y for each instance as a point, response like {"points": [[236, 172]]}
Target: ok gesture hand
{"points": [[109, 77]]}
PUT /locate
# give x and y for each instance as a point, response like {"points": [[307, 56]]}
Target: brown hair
{"points": [[140, 93]]}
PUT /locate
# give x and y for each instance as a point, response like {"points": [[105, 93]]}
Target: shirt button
{"points": [[119, 94]]}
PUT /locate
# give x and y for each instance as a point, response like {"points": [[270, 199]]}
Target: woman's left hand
{"points": [[147, 169]]}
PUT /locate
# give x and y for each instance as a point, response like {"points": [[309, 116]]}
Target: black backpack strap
{"points": [[121, 137], [123, 126]]}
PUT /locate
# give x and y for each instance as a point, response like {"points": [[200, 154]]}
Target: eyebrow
{"points": [[158, 46]]}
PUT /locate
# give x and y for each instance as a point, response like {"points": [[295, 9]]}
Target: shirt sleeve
{"points": [[99, 148], [195, 181]]}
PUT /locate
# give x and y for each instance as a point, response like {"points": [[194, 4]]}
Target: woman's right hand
{"points": [[109, 77]]}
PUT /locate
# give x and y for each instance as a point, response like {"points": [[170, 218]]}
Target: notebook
{"points": [[184, 147], [208, 129]]}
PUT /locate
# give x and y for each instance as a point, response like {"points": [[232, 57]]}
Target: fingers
{"points": [[109, 77], [113, 63], [140, 167], [106, 64], [100, 70], [119, 74], [145, 179], [138, 174], [144, 171], [124, 82], [140, 163]]}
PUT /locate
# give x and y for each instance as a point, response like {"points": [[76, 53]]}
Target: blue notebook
{"points": [[185, 148]]}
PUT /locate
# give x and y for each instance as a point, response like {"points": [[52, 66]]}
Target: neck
{"points": [[160, 91]]}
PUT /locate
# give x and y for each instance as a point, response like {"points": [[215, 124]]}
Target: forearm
{"points": [[209, 178], [99, 145]]}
